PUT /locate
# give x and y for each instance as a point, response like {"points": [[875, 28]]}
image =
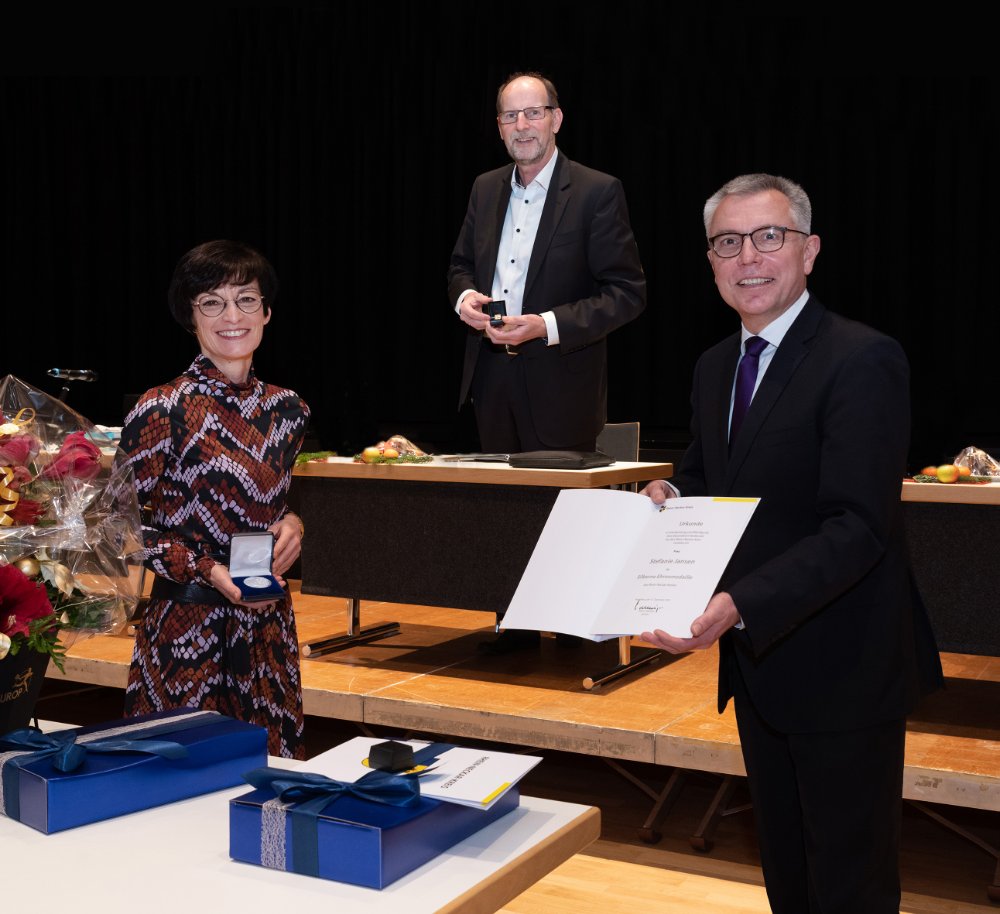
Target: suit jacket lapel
{"points": [[793, 349], [500, 213], [716, 432], [555, 204]]}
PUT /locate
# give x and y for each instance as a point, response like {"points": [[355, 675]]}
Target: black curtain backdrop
{"points": [[343, 141]]}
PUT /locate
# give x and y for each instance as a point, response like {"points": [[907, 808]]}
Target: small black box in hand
{"points": [[497, 310], [390, 756]]}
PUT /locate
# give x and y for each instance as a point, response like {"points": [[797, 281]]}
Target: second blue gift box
{"points": [[349, 838]]}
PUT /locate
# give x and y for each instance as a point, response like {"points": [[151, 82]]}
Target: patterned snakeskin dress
{"points": [[212, 459]]}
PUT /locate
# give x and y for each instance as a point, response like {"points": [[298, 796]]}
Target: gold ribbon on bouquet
{"points": [[8, 497], [19, 423]]}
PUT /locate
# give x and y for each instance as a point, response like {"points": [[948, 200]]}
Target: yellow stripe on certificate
{"points": [[496, 793]]}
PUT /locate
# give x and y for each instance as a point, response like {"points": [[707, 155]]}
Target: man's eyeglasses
{"points": [[213, 306], [532, 114], [767, 239]]}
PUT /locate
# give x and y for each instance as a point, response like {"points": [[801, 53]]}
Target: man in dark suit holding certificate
{"points": [[551, 240], [823, 640]]}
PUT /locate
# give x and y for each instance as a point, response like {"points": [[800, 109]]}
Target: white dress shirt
{"points": [[517, 239]]}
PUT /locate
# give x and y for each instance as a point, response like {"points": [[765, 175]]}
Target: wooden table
{"points": [[953, 531], [450, 533], [177, 856], [956, 493]]}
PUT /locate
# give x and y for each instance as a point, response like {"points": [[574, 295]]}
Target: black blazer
{"points": [[584, 268], [836, 636]]}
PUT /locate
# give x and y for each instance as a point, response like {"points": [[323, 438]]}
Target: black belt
{"points": [[185, 593]]}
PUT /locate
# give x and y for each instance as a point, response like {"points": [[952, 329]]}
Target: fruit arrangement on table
{"points": [[395, 449], [971, 465], [950, 473]]}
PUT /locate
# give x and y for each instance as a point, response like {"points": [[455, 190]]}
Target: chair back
{"points": [[621, 441]]}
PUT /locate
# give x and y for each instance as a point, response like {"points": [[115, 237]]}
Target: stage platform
{"points": [[430, 679]]}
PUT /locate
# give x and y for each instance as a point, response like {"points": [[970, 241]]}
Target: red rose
{"points": [[78, 457], [21, 601], [26, 512], [21, 476], [18, 450]]}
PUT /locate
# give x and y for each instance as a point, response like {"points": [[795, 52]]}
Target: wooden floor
{"points": [[615, 748]]}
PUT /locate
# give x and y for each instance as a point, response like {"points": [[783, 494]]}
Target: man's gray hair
{"points": [[746, 185], [550, 89]]}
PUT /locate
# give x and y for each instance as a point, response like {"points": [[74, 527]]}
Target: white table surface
{"points": [[176, 857]]}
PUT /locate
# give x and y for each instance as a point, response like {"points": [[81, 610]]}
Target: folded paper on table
{"points": [[61, 780], [470, 777], [611, 563], [368, 830]]}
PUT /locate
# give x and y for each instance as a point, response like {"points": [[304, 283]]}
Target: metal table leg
{"points": [[664, 799], [993, 890], [355, 634], [626, 663], [701, 840]]}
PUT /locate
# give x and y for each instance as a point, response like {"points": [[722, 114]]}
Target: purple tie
{"points": [[746, 377]]}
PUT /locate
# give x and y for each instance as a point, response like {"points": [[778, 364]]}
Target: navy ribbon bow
{"points": [[312, 793], [298, 787], [67, 754]]}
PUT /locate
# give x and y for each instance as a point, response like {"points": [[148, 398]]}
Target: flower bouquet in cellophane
{"points": [[68, 521]]}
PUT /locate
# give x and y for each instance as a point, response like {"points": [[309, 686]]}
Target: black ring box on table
{"points": [[250, 557], [390, 756]]}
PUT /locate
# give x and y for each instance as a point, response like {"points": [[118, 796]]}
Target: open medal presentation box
{"points": [[117, 775], [250, 559], [351, 839]]}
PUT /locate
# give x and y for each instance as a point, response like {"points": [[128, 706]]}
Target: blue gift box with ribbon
{"points": [[369, 832], [54, 781]]}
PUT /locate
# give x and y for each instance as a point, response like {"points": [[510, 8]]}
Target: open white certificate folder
{"points": [[610, 562]]}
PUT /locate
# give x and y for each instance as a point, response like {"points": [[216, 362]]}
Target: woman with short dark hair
{"points": [[212, 453]]}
